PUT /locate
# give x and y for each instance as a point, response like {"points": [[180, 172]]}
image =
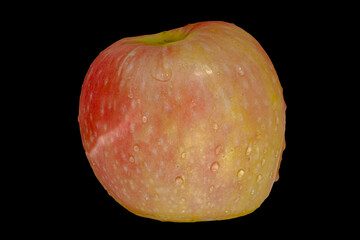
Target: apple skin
{"points": [[184, 125]]}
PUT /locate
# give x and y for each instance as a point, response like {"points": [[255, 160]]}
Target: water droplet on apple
{"points": [[162, 76], [161, 73], [240, 173], [241, 71], [136, 148], [131, 159], [146, 197], [218, 149], [144, 119], [179, 180], [183, 155], [277, 176], [258, 179], [211, 189], [214, 166], [248, 150]]}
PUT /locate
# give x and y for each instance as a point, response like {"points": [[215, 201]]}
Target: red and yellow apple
{"points": [[186, 124]]}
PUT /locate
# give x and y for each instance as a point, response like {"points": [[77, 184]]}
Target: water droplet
{"points": [[144, 119], [179, 180], [161, 73], [277, 176], [241, 71], [130, 95], [248, 150], [211, 189], [131, 159], [218, 149], [183, 155], [146, 197], [214, 166], [259, 178], [208, 70], [136, 148], [240, 173]]}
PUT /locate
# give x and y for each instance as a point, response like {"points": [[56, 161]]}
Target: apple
{"points": [[185, 125]]}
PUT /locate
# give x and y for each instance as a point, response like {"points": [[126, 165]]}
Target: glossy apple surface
{"points": [[184, 125]]}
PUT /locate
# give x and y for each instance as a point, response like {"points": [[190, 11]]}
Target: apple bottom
{"points": [[207, 171]]}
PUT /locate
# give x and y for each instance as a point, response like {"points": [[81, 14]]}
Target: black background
{"points": [[63, 195]]}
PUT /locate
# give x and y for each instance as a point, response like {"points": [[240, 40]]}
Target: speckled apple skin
{"points": [[185, 130]]}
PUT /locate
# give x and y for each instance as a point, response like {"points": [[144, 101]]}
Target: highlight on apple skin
{"points": [[185, 125]]}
